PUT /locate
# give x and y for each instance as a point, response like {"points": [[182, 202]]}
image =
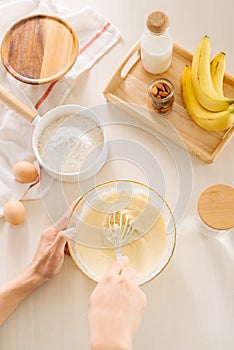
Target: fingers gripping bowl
{"points": [[152, 242]]}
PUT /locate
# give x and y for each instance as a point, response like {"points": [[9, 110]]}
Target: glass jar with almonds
{"points": [[161, 95]]}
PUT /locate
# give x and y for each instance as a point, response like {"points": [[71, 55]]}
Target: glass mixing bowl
{"points": [[149, 248]]}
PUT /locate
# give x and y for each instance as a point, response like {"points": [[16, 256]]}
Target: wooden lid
{"points": [[157, 22], [39, 49], [216, 207]]}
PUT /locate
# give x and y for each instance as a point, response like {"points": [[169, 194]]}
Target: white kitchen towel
{"points": [[95, 35]]}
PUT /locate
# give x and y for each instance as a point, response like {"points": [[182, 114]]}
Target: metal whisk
{"points": [[119, 230]]}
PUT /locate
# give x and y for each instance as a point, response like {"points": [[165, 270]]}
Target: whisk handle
{"points": [[118, 252]]}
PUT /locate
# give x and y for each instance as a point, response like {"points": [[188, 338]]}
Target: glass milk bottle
{"points": [[156, 43]]}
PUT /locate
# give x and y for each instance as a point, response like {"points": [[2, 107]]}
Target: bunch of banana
{"points": [[202, 90]]}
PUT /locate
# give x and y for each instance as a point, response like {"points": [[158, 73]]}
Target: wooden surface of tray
{"points": [[131, 94]]}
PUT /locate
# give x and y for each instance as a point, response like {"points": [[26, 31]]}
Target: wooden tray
{"points": [[178, 126]]}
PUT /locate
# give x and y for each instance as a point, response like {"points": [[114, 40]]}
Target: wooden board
{"points": [[39, 49], [178, 126]]}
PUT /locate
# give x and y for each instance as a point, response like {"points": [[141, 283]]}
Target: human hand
{"points": [[49, 255], [45, 264], [116, 307]]}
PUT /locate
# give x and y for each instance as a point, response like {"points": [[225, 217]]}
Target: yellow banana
{"points": [[213, 121], [217, 70], [215, 124], [202, 81]]}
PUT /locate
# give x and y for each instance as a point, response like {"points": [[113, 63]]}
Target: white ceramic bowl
{"points": [[92, 167]]}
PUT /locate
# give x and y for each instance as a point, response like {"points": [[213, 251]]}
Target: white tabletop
{"points": [[191, 303]]}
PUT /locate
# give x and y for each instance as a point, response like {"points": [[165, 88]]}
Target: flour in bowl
{"points": [[71, 143]]}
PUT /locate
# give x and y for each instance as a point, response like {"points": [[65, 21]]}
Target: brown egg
{"points": [[14, 212], [25, 171]]}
